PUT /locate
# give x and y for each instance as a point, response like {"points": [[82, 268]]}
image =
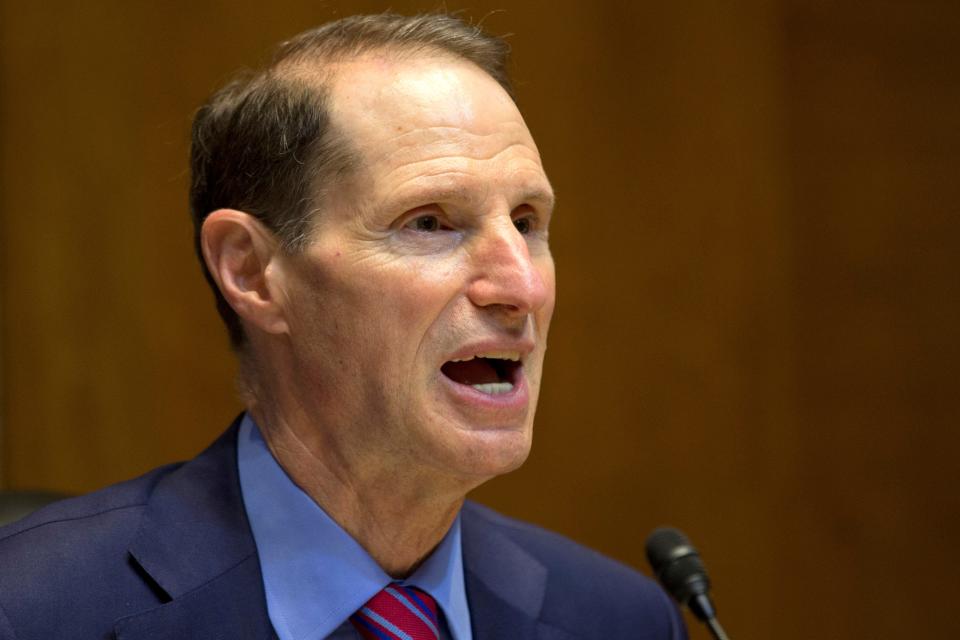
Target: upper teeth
{"points": [[498, 355]]}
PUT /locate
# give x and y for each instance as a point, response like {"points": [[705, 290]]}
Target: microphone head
{"points": [[677, 565]]}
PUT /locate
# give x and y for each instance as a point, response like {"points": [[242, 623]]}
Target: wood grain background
{"points": [[756, 239]]}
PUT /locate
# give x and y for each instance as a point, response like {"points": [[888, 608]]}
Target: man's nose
{"points": [[507, 276]]}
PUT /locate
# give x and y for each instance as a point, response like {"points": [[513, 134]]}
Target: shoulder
{"points": [[71, 556], [68, 522], [580, 580]]}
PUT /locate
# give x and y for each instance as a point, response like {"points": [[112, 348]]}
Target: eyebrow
{"points": [[539, 194], [535, 193]]}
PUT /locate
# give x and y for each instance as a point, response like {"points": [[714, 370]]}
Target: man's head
{"points": [[403, 322], [264, 144]]}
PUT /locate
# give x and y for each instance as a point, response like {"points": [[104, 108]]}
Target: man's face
{"points": [[418, 315]]}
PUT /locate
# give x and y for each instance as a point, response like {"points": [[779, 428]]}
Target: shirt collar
{"points": [[314, 574]]}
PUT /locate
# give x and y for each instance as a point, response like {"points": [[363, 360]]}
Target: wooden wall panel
{"points": [[756, 246], [875, 159]]}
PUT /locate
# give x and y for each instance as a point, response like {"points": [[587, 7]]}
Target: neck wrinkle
{"points": [[396, 515]]}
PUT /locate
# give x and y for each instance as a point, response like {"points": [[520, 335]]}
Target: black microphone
{"points": [[677, 565]]}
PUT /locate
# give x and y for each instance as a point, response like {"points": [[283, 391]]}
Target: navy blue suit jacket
{"points": [[170, 556]]}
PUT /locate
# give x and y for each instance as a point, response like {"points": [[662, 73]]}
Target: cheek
{"points": [[417, 292], [377, 307]]}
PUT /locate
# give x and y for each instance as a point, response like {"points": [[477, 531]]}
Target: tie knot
{"points": [[398, 612]]}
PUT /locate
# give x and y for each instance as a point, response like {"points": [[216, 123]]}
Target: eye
{"points": [[527, 220], [425, 223], [523, 225]]}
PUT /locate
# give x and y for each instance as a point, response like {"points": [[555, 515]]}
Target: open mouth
{"points": [[493, 374]]}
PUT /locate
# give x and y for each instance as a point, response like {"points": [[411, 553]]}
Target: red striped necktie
{"points": [[398, 612]]}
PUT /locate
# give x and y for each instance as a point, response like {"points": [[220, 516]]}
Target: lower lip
{"points": [[514, 400]]}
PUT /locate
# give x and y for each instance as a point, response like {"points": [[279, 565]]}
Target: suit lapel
{"points": [[225, 608], [195, 546], [506, 585]]}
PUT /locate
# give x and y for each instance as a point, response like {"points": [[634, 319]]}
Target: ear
{"points": [[239, 251]]}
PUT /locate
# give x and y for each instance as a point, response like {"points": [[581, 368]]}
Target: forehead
{"points": [[405, 113], [415, 88]]}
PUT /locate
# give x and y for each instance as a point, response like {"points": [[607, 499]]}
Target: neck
{"points": [[397, 514]]}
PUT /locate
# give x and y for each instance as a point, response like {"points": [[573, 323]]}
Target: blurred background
{"points": [[757, 248]]}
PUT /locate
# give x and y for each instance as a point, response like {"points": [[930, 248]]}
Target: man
{"points": [[372, 213]]}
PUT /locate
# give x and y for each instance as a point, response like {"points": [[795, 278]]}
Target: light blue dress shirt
{"points": [[315, 575]]}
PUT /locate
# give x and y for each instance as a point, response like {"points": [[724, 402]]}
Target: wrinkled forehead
{"points": [[385, 104]]}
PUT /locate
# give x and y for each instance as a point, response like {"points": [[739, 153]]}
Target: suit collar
{"points": [[194, 544], [506, 586], [499, 565]]}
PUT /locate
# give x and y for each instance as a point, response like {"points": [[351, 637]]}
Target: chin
{"points": [[494, 453]]}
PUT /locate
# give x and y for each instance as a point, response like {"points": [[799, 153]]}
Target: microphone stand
{"points": [[716, 630], [701, 607]]}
